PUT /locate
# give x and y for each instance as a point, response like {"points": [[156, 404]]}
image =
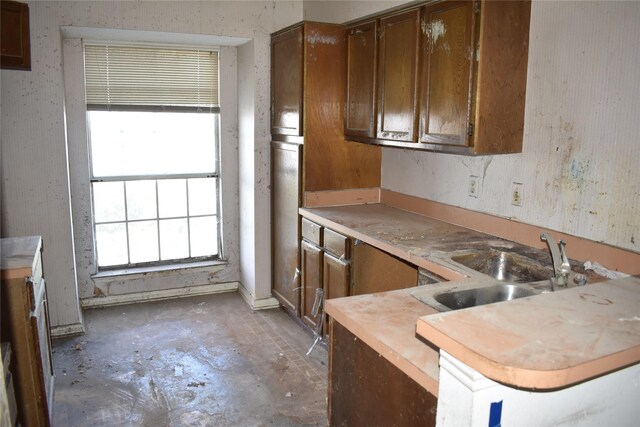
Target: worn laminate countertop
{"points": [[546, 341], [580, 331]]}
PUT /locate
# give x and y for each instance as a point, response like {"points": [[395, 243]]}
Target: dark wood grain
{"points": [[365, 389], [330, 162], [360, 110], [15, 44], [377, 271], [311, 266], [502, 76], [446, 75], [286, 82], [397, 74], [285, 228], [335, 277]]}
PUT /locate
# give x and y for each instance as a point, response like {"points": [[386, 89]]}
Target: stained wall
{"points": [[579, 165], [36, 195]]}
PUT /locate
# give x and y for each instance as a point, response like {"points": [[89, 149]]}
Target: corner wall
{"points": [[35, 186]]}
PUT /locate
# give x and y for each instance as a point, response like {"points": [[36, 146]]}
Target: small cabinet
{"points": [[25, 324], [365, 389], [311, 262], [398, 74], [286, 83], [360, 105], [377, 271], [15, 38], [446, 75], [324, 260]]}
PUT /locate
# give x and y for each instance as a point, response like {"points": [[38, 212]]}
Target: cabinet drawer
{"points": [[312, 231], [336, 243]]}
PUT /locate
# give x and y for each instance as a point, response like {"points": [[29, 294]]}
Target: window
{"points": [[153, 116]]}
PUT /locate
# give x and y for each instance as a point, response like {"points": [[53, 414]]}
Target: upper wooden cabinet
{"points": [[286, 83], [15, 40], [446, 73], [308, 74], [360, 106], [464, 91], [398, 72]]}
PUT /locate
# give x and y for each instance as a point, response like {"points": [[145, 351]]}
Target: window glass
{"points": [[133, 143]]}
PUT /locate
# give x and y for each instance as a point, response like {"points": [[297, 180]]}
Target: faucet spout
{"points": [[561, 266]]}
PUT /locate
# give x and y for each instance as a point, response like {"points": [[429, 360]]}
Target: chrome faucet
{"points": [[561, 266]]}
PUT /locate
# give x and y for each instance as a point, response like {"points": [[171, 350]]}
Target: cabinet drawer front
{"points": [[312, 231], [336, 243]]}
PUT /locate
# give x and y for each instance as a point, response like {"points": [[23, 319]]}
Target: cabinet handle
{"points": [[294, 282]]}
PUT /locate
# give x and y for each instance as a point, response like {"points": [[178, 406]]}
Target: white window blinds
{"points": [[149, 78]]}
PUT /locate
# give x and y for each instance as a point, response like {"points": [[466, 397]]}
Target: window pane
{"points": [[111, 243], [141, 199], [174, 239], [143, 143], [108, 201], [202, 196], [143, 241], [204, 236], [173, 197]]}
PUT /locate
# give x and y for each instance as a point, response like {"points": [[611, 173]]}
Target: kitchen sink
{"points": [[456, 300], [504, 266]]}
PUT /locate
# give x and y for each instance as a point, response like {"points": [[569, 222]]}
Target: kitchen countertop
{"points": [[545, 341], [387, 321], [422, 241], [17, 255]]}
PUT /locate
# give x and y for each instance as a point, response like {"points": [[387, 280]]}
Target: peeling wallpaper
{"points": [[580, 165]]}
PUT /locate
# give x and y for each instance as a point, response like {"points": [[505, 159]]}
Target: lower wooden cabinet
{"points": [[311, 263], [335, 279], [365, 389], [285, 228], [377, 271], [25, 324]]}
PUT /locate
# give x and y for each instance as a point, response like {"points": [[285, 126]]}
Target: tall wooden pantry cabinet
{"points": [[309, 152]]}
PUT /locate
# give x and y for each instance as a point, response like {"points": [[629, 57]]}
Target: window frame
{"points": [[216, 112]]}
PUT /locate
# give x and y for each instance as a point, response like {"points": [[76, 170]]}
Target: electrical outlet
{"points": [[517, 193], [474, 186]]}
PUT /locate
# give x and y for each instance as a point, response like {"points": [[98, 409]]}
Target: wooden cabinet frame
{"points": [[490, 75], [15, 38]]}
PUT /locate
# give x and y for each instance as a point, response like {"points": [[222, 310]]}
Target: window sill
{"points": [[159, 269]]}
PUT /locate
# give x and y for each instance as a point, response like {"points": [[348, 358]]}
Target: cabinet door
{"points": [[446, 77], [360, 110], [42, 345], [397, 73], [377, 271], [286, 83], [285, 230], [335, 276], [311, 263], [366, 389]]}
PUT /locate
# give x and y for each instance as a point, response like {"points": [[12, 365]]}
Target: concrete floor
{"points": [[200, 361]]}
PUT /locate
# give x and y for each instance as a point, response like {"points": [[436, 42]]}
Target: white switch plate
{"points": [[517, 193]]}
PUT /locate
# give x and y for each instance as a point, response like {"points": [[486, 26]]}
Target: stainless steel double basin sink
{"points": [[515, 275]]}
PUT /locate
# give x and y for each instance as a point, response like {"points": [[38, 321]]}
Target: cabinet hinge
{"points": [[470, 130], [476, 7]]}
